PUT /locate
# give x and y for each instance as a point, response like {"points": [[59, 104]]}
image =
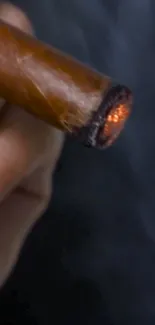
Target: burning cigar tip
{"points": [[59, 90]]}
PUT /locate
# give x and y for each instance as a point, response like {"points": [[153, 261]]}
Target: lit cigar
{"points": [[60, 90]]}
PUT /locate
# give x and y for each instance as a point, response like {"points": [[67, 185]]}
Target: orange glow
{"points": [[115, 121]]}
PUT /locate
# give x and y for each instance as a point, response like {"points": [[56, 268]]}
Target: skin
{"points": [[29, 150]]}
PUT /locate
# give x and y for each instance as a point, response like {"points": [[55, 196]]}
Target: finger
{"points": [[20, 211], [15, 16]]}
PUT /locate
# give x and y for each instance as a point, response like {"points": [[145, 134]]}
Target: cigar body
{"points": [[60, 90]]}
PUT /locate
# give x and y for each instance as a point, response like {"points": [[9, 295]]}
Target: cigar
{"points": [[60, 90]]}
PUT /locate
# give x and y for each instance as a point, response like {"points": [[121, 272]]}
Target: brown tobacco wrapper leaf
{"points": [[61, 91]]}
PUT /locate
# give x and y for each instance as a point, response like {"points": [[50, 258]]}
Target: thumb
{"points": [[15, 16]]}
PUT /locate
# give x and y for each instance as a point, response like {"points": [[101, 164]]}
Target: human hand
{"points": [[29, 150]]}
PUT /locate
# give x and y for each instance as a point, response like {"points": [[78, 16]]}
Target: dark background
{"points": [[91, 258]]}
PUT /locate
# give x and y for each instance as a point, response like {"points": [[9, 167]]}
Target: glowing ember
{"points": [[115, 122]]}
